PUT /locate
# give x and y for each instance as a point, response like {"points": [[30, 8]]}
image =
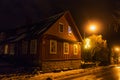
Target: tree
{"points": [[95, 49]]}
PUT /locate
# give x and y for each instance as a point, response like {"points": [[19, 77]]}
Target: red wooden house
{"points": [[53, 43]]}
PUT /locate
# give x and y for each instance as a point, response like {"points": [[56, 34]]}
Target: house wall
{"points": [[51, 62], [49, 66], [59, 55]]}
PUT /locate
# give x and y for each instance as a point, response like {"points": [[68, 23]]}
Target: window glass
{"points": [[75, 46], [66, 48], [33, 47], [12, 50], [24, 47], [53, 46], [6, 49], [61, 27]]}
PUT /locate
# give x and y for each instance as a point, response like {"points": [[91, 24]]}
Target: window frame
{"points": [[54, 46], [66, 44], [61, 28], [12, 49], [25, 47], [33, 42], [69, 30], [75, 49], [6, 49]]}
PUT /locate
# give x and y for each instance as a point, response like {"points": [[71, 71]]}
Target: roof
{"points": [[33, 30], [37, 29]]}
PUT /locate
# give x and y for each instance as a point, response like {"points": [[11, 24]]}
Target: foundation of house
{"points": [[51, 66]]}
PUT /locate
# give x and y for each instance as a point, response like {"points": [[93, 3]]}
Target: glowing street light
{"points": [[92, 27], [117, 49]]}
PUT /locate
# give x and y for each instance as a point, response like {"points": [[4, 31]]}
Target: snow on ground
{"points": [[63, 74], [53, 76]]}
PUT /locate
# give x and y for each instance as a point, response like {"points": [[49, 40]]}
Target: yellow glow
{"points": [[92, 27], [87, 43], [117, 49]]}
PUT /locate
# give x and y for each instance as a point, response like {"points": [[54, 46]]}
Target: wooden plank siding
{"points": [[60, 54]]}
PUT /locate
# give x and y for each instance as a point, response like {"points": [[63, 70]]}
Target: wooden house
{"points": [[53, 43]]}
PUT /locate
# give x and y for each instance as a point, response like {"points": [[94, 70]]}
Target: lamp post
{"points": [[86, 41], [91, 28]]}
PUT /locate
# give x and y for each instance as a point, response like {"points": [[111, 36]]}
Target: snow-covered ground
{"points": [[53, 76]]}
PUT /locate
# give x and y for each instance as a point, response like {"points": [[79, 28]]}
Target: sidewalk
{"points": [[64, 74]]}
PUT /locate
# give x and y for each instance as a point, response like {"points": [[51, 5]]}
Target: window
{"points": [[12, 50], [61, 26], [24, 47], [6, 49], [33, 47], [75, 49], [53, 46], [69, 30], [66, 48]]}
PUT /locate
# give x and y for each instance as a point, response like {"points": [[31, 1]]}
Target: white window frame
{"points": [[53, 46], [6, 49], [66, 46], [75, 49]]}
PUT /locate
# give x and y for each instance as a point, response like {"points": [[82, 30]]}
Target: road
{"points": [[112, 73]]}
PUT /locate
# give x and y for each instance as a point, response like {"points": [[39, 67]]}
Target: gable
{"points": [[68, 32]]}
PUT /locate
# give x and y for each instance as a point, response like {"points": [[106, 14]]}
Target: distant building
{"points": [[53, 43]]}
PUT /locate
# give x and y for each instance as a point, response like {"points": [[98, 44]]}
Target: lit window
{"points": [[66, 48], [6, 49], [75, 49], [69, 30], [33, 47], [61, 26], [53, 46]]}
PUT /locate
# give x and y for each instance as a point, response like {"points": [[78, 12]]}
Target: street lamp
{"points": [[117, 49], [92, 27], [87, 41]]}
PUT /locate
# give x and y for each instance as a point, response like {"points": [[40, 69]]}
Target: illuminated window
{"points": [[61, 27], [24, 47], [69, 30], [33, 47], [6, 49], [53, 46], [75, 49], [66, 48]]}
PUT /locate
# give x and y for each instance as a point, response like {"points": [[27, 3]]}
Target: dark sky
{"points": [[15, 13], [20, 12]]}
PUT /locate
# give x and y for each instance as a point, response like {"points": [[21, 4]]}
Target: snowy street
{"points": [[96, 73]]}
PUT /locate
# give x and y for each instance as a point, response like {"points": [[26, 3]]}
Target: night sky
{"points": [[16, 13]]}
